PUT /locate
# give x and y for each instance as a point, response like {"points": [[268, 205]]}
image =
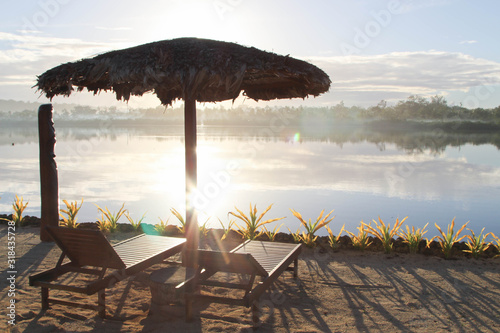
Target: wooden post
{"points": [[191, 175], [49, 185], [192, 233], [101, 303], [45, 298]]}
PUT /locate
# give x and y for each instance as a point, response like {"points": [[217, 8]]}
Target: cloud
{"points": [[400, 74], [22, 48], [408, 6], [25, 55], [114, 28], [357, 80], [16, 80], [468, 42]]}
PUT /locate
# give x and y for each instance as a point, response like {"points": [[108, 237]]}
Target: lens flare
{"points": [[296, 137]]}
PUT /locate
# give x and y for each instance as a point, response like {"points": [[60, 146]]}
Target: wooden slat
{"points": [[49, 275], [91, 248], [269, 254], [225, 284], [271, 258], [74, 304], [283, 265], [147, 247], [219, 299], [81, 290], [86, 247], [230, 262]]}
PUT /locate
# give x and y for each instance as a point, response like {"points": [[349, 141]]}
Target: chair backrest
{"points": [[243, 263], [86, 247]]}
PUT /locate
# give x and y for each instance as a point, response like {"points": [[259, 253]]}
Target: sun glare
{"points": [[213, 180], [193, 18]]}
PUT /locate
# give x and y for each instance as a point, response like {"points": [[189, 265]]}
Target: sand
{"points": [[346, 291]]}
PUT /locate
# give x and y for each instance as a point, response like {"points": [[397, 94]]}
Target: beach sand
{"points": [[345, 291]]}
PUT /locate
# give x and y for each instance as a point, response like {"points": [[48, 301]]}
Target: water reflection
{"points": [[360, 174]]}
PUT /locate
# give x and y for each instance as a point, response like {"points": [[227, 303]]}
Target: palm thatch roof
{"points": [[206, 70]]}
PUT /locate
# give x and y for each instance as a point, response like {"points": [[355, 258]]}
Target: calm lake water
{"points": [[359, 175]]}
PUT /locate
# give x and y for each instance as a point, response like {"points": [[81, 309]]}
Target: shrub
{"points": [[333, 240], [385, 233], [109, 221], [297, 236], [136, 224], [203, 229], [161, 227], [447, 240], [497, 245], [309, 238], [71, 211], [182, 227], [252, 224], [476, 244], [17, 217], [272, 234], [413, 237], [226, 230], [361, 240]]}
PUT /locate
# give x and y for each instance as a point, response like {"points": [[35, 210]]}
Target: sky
{"points": [[372, 50]]}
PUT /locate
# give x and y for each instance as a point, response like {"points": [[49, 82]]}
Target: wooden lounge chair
{"points": [[89, 252], [254, 258]]}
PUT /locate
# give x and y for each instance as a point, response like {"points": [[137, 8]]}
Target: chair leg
{"points": [[255, 313], [101, 303], [296, 268], [45, 298], [189, 308]]}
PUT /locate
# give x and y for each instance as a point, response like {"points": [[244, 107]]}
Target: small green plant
{"points": [[447, 240], [252, 224], [384, 232], [361, 240], [333, 240], [161, 227], [109, 221], [17, 217], [413, 237], [226, 230], [203, 228], [477, 244], [136, 224], [297, 236], [309, 237], [497, 245], [272, 234], [71, 211], [182, 226]]}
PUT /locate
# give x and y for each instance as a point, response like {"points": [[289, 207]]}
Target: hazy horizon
{"points": [[372, 50]]}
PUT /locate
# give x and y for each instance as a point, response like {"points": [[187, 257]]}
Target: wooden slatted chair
{"points": [[268, 260], [89, 252]]}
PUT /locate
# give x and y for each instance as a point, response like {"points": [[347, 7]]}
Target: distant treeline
{"points": [[414, 111]]}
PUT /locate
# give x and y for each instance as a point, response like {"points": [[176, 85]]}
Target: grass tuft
{"points": [[309, 237], [109, 221], [361, 240], [476, 244], [250, 228], [446, 240], [413, 237], [71, 211]]}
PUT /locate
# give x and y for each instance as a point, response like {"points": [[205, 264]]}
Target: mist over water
{"points": [[359, 172]]}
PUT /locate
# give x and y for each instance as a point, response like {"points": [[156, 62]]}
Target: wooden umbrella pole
{"points": [[49, 184], [191, 177]]}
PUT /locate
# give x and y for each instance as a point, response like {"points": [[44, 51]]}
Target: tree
{"points": [[438, 108]]}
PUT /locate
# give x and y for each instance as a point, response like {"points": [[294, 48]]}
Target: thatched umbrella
{"points": [[193, 70]]}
